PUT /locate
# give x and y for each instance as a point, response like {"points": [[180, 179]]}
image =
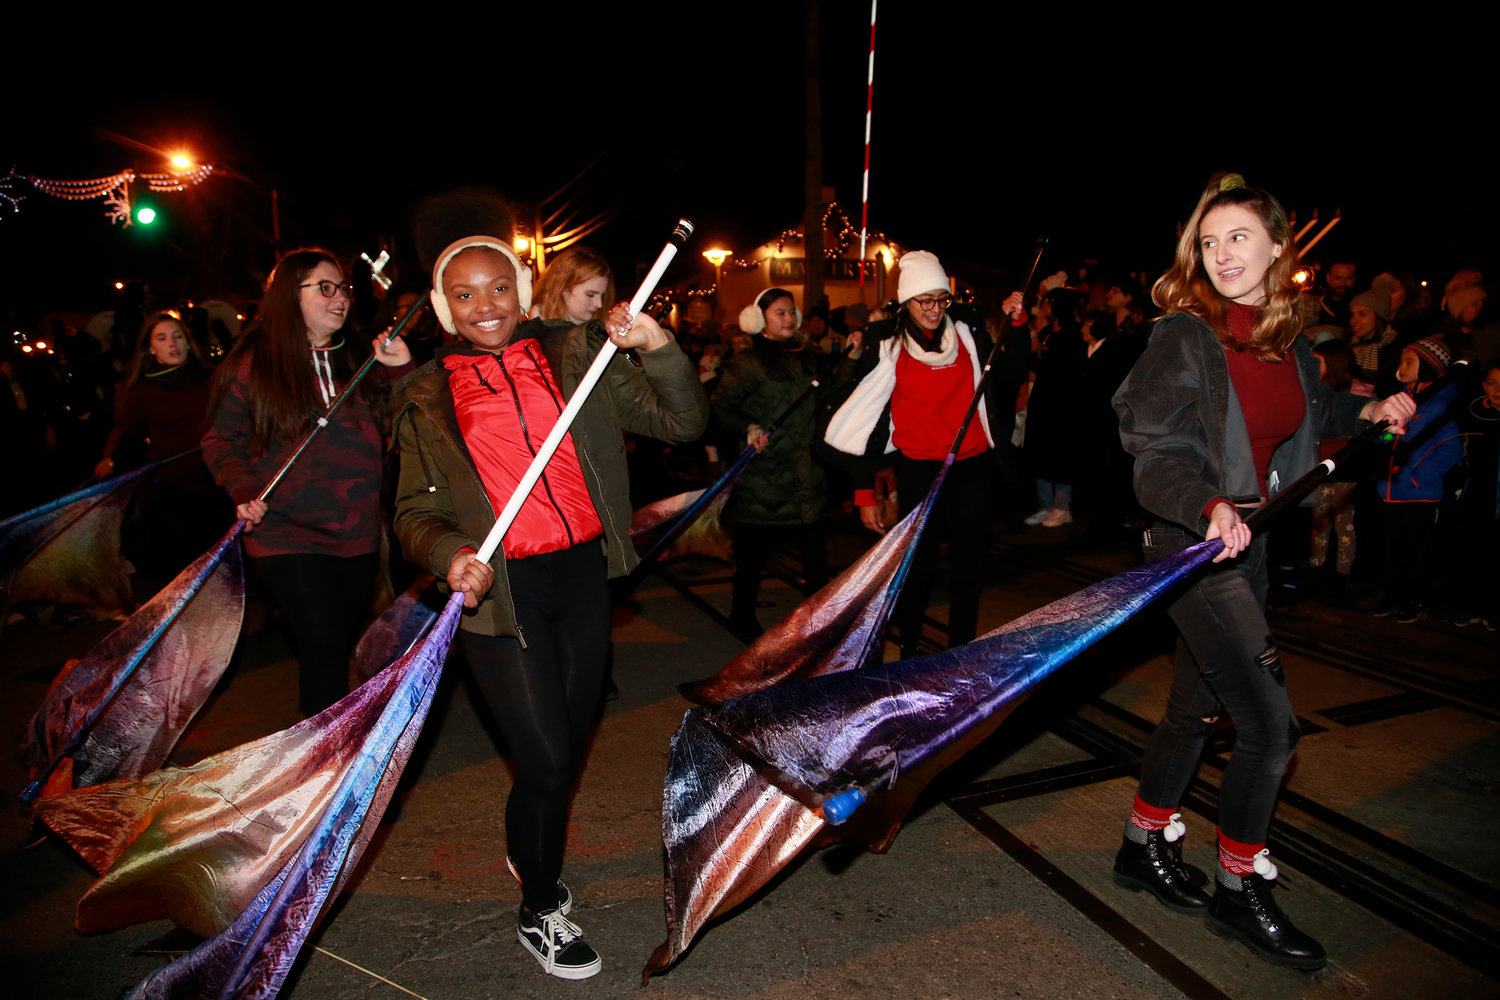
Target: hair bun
{"points": [[1231, 182]]}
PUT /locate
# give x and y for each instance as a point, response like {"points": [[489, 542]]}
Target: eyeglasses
{"points": [[930, 302], [328, 288]]}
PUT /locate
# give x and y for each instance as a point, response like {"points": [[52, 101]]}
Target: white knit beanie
{"points": [[440, 301], [920, 272]]}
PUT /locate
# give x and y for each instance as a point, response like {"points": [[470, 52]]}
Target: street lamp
{"points": [[717, 258]]}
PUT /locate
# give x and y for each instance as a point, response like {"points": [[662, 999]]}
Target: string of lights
{"points": [[835, 244], [114, 189]]}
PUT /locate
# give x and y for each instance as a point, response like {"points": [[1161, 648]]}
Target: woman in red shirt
{"points": [[916, 386], [1223, 410]]}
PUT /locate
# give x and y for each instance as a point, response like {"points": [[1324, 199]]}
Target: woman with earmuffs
{"points": [[782, 492]]}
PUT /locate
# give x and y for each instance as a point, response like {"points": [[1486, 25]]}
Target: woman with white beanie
{"points": [[913, 392]]}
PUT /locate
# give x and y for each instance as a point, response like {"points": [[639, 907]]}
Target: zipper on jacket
{"points": [[520, 635], [515, 396]]}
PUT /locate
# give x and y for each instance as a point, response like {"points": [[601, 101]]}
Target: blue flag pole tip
{"points": [[838, 808]]}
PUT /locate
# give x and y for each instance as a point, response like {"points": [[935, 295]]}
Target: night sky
{"points": [[988, 131]]}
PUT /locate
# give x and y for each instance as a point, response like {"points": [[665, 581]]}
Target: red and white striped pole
{"points": [[864, 206]]}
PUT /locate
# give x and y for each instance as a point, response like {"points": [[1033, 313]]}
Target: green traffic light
{"points": [[145, 215]]}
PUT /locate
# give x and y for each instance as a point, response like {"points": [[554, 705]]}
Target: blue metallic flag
{"points": [[252, 957], [255, 874], [728, 828], [688, 522]]}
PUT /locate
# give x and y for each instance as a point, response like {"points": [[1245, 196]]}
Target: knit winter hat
{"points": [[1431, 354], [440, 301], [1387, 282], [753, 316], [1377, 300], [920, 272], [1460, 298]]}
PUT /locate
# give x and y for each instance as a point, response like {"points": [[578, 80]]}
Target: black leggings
{"points": [[752, 546], [322, 600], [544, 698]]}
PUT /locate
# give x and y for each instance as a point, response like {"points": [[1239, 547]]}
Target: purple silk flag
{"points": [[68, 550], [841, 627], [119, 711], [697, 528], [728, 829], [258, 874], [398, 628]]}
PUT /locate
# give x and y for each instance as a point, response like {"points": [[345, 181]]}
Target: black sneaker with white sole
{"points": [[558, 944]]}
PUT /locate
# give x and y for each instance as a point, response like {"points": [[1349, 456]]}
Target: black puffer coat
{"points": [[783, 484]]}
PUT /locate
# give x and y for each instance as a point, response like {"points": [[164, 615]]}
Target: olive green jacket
{"points": [[441, 503]]}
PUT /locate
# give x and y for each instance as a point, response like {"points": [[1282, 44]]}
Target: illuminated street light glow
{"points": [[717, 257], [181, 162]]}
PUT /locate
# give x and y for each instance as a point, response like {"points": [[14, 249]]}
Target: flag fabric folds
{"points": [[688, 523], [249, 845], [746, 777], [395, 631], [68, 550], [841, 627], [119, 711], [727, 832]]}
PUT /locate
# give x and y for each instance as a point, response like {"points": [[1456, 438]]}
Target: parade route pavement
{"points": [[998, 886]]}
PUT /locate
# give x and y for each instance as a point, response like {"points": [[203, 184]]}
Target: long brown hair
{"points": [[144, 359], [280, 392], [566, 270], [1185, 286]]}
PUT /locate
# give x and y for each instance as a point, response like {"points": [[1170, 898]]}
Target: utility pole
{"points": [[812, 218]]}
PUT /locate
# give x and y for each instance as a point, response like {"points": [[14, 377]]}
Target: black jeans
{"points": [[1226, 663], [544, 699]]}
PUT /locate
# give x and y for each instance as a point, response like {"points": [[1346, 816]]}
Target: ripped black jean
{"points": [[1226, 663]]}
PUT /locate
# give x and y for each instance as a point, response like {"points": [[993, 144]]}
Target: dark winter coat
{"points": [[1181, 419], [783, 484]]}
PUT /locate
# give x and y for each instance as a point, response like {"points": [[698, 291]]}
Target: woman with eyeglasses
{"points": [[914, 389], [313, 543], [1223, 410]]}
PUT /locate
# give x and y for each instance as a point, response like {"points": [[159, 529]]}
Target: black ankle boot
{"points": [[1155, 865], [1250, 916]]}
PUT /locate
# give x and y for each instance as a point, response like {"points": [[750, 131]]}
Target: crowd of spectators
{"points": [[1414, 510]]}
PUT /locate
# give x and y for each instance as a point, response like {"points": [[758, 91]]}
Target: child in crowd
{"points": [[1413, 484]]}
